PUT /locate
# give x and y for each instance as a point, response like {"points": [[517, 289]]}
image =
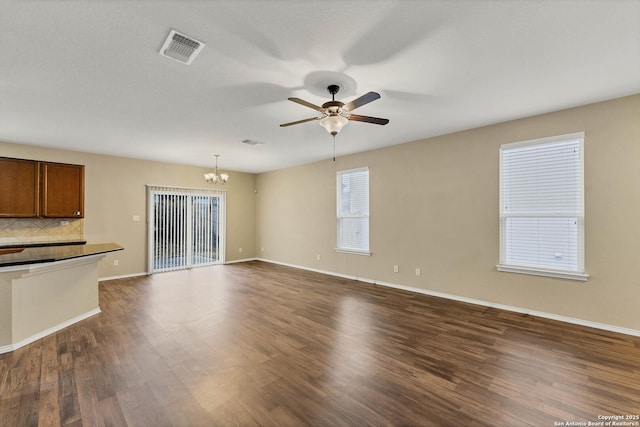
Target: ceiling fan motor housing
{"points": [[333, 107]]}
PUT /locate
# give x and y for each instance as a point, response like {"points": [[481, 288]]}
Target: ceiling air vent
{"points": [[181, 48]]}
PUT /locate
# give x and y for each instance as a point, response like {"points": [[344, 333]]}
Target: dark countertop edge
{"points": [[64, 258], [39, 261], [42, 244]]}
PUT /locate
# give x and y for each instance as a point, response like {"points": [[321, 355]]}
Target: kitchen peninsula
{"points": [[47, 288]]}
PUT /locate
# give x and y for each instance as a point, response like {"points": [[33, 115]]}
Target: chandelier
{"points": [[215, 177]]}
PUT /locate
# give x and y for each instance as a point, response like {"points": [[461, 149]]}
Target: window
{"points": [[542, 207], [353, 211]]}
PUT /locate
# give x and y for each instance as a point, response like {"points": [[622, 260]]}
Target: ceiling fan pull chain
{"points": [[334, 148]]}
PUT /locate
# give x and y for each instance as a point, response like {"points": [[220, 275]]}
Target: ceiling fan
{"points": [[336, 114]]}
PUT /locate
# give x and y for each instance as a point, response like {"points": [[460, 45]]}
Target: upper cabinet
{"points": [[62, 190], [31, 189], [19, 188]]}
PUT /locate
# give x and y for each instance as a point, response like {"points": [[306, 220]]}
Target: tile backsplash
{"points": [[26, 230]]}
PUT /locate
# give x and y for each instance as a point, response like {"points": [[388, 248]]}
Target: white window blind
{"points": [[353, 210], [185, 227], [542, 207]]}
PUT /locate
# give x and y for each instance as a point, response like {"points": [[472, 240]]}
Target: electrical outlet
{"points": [[136, 218], [116, 262], [261, 249], [240, 250], [395, 268], [318, 257], [418, 272]]}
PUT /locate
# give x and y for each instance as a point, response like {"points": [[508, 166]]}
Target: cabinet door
{"points": [[19, 188], [62, 190]]}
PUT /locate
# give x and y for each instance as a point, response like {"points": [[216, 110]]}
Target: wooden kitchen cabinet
{"points": [[19, 188], [62, 190], [33, 189]]}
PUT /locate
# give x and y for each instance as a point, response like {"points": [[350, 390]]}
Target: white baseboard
{"points": [[56, 328], [124, 276], [146, 273], [235, 261], [575, 321]]}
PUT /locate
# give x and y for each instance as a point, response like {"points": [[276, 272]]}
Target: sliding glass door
{"points": [[205, 230], [186, 227]]}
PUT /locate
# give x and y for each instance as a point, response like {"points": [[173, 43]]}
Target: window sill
{"points": [[353, 251], [560, 274]]}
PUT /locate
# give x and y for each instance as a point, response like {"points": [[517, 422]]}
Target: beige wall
{"points": [[6, 309], [49, 295], [115, 191], [434, 206], [40, 298]]}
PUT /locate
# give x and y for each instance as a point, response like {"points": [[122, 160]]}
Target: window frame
{"points": [[339, 216], [578, 274]]}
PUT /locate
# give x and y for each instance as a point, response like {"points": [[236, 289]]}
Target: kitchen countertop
{"points": [[42, 244], [36, 255]]}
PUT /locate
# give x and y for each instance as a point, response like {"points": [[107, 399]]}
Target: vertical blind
{"points": [[353, 210], [541, 203], [169, 242], [186, 227]]}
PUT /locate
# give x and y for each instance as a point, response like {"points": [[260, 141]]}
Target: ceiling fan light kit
{"points": [[333, 124], [337, 114]]}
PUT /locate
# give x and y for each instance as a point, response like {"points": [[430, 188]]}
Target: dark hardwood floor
{"points": [[261, 344]]}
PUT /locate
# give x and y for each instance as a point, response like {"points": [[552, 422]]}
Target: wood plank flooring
{"points": [[256, 344]]}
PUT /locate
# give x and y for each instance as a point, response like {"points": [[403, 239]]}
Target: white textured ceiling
{"points": [[87, 76]]}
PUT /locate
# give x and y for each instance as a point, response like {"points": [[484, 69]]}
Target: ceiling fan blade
{"points": [[299, 121], [368, 119], [305, 103], [359, 102]]}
